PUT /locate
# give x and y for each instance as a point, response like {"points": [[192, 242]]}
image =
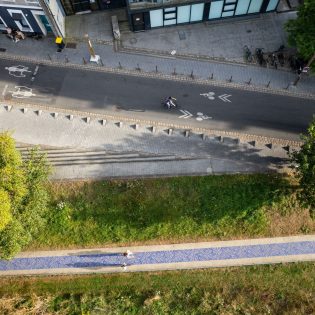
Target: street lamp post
{"points": [[93, 56]]}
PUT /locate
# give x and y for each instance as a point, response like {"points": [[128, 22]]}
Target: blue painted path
{"points": [[160, 257]]}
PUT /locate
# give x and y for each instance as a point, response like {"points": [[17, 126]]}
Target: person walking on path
{"points": [[129, 255]]}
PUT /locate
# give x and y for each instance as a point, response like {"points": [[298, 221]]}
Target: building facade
{"points": [[148, 14], [28, 16]]}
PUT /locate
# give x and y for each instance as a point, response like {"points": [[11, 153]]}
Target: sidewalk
{"points": [[93, 150], [194, 58], [163, 257]]}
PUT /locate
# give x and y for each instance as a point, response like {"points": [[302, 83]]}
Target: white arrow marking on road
{"points": [[224, 97], [186, 113]]}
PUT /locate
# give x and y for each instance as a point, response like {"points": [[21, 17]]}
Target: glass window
{"points": [[196, 12], [255, 6], [229, 7], [272, 5], [170, 9], [170, 22], [230, 1], [170, 16], [183, 14], [215, 9], [156, 18], [242, 7], [2, 24], [228, 13]]}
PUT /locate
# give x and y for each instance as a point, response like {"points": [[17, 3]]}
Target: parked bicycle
{"points": [[260, 57], [247, 54]]}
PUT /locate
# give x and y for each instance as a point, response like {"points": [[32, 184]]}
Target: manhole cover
{"points": [[71, 45], [181, 35], [2, 49]]}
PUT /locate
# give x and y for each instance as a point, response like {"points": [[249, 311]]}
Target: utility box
{"points": [[115, 27]]}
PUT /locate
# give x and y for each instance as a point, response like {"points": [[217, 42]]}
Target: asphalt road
{"points": [[200, 106]]}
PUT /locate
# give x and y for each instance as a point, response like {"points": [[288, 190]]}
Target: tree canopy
{"points": [[305, 160], [302, 30], [23, 196]]}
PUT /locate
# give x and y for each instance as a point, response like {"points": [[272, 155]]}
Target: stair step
{"points": [[108, 161]]}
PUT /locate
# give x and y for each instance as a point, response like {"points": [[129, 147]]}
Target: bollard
{"points": [[84, 61], [49, 57], [136, 126], [156, 70], [153, 129], [287, 86], [8, 107], [170, 131], [174, 72], [138, 67], [230, 79], [268, 84], [204, 136], [211, 76], [286, 148], [249, 82], [101, 62], [186, 133], [120, 124], [119, 65], [192, 74], [66, 59]]}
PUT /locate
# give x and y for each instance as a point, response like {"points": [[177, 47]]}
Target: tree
{"points": [[23, 196], [302, 30], [305, 160]]}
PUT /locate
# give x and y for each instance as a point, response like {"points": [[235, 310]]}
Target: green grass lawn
{"points": [[275, 289], [171, 210]]}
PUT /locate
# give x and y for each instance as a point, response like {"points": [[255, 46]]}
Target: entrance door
{"points": [[111, 4], [138, 22], [81, 5]]}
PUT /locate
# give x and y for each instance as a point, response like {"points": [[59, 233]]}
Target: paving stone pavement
{"points": [[163, 257], [159, 153]]}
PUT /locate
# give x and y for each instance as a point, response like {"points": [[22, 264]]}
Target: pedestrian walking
{"points": [[128, 254]]}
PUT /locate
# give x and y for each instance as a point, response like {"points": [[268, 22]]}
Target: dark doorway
{"points": [[138, 22], [81, 5], [111, 4]]}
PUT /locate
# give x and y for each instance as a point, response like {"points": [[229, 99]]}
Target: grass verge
{"points": [[86, 214], [274, 289]]}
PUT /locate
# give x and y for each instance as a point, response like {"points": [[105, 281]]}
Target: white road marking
{"points": [[22, 92], [4, 90], [209, 95], [186, 114], [18, 71], [224, 97]]}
